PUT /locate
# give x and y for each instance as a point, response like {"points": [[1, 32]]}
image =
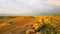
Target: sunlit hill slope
{"points": [[16, 23]]}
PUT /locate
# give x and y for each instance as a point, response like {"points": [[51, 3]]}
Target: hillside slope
{"points": [[17, 23]]}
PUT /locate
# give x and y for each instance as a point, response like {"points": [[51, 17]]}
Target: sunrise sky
{"points": [[29, 7]]}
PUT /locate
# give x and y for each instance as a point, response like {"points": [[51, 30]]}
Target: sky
{"points": [[29, 7]]}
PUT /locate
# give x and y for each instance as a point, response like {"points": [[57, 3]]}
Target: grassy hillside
{"points": [[12, 23]]}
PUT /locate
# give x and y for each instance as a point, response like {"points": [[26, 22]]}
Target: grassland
{"points": [[17, 23]]}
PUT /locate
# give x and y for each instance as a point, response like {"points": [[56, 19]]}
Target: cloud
{"points": [[54, 2], [30, 7]]}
